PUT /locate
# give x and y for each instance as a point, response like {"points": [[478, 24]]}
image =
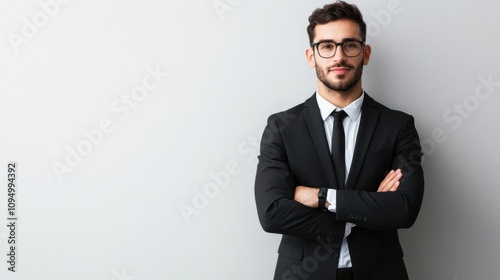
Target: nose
{"points": [[339, 54]]}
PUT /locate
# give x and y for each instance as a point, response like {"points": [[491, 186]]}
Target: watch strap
{"points": [[322, 193]]}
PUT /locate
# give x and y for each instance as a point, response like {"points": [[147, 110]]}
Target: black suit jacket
{"points": [[294, 151]]}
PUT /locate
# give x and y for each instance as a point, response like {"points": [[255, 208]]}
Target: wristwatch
{"points": [[322, 198]]}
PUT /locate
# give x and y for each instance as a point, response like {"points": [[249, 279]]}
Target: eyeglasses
{"points": [[327, 49]]}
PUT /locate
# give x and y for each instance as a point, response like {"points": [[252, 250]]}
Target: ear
{"points": [[367, 50], [310, 57]]}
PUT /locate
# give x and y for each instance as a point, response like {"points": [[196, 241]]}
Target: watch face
{"points": [[322, 198], [322, 192]]}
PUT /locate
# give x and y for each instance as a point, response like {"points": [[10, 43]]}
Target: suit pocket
{"points": [[291, 249], [378, 157], [390, 251]]}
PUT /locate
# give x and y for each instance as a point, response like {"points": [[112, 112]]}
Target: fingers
{"points": [[391, 181]]}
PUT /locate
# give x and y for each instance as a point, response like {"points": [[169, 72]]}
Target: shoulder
{"points": [[385, 112], [389, 121], [294, 114]]}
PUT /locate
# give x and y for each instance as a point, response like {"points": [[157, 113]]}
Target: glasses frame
{"points": [[315, 46]]}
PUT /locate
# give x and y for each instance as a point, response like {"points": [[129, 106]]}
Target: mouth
{"points": [[339, 70]]}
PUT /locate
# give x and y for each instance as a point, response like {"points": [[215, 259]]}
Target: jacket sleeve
{"points": [[274, 191], [389, 210]]}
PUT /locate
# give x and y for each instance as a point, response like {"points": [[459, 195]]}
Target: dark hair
{"points": [[336, 11]]}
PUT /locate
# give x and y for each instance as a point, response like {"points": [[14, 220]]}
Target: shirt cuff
{"points": [[331, 197]]}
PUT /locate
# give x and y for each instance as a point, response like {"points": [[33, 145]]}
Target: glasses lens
{"points": [[352, 48], [326, 49]]}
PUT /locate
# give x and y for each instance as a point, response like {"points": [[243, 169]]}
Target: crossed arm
{"points": [[309, 195], [285, 208]]}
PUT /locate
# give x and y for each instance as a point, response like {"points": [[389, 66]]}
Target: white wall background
{"points": [[65, 65]]}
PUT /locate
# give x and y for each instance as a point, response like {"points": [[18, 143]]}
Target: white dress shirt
{"points": [[351, 126]]}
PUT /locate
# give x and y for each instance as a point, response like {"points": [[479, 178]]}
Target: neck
{"points": [[340, 98]]}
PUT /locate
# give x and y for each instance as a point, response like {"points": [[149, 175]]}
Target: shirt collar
{"points": [[353, 110]]}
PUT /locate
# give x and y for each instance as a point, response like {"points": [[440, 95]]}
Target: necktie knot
{"points": [[339, 115]]}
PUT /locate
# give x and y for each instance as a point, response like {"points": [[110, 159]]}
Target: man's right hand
{"points": [[391, 181]]}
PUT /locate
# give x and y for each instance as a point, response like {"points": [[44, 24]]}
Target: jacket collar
{"points": [[314, 120]]}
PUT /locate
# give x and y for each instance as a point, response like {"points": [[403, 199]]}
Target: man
{"points": [[339, 174]]}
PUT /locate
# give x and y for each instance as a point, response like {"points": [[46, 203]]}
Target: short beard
{"points": [[341, 86]]}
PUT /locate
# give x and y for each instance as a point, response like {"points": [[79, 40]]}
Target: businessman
{"points": [[339, 174]]}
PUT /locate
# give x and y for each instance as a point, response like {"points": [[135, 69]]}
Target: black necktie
{"points": [[338, 147]]}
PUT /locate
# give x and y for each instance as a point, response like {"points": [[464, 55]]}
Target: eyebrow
{"points": [[343, 40]]}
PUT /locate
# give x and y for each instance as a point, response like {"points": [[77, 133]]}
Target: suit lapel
{"points": [[369, 118], [317, 130]]}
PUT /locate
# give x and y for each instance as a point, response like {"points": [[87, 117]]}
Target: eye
{"points": [[327, 46], [351, 45]]}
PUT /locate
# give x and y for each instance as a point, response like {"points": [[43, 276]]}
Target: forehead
{"points": [[337, 30]]}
